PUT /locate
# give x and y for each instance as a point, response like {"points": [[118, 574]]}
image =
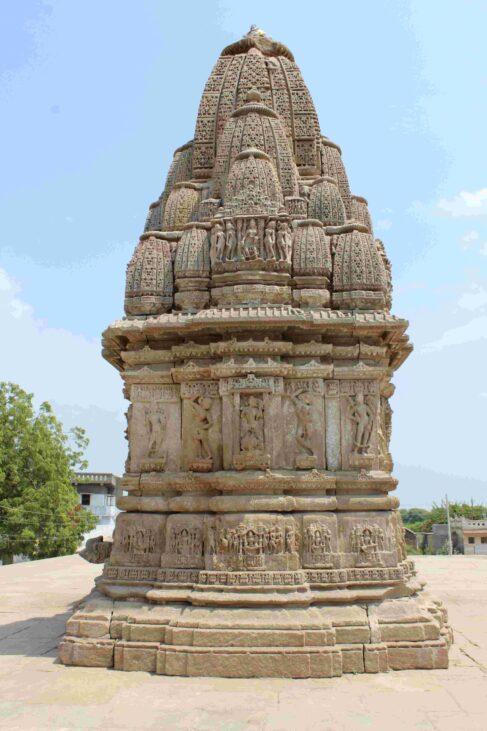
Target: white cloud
{"points": [[53, 363], [384, 224], [465, 204], [469, 238], [472, 331], [474, 299]]}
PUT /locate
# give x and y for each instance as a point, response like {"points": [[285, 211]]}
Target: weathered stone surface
{"points": [[96, 550], [258, 536]]}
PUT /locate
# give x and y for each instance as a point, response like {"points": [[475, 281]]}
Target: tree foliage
{"points": [[437, 514], [40, 514], [413, 515], [422, 521]]}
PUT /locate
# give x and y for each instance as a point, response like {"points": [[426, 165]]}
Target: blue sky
{"points": [[95, 96]]}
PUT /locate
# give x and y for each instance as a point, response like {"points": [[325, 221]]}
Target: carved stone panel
{"points": [[138, 540], [367, 540], [303, 424], [320, 541], [255, 542], [359, 419], [184, 542], [251, 421], [155, 428], [202, 426]]}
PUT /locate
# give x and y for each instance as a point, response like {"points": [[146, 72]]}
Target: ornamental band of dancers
{"points": [[275, 241]]}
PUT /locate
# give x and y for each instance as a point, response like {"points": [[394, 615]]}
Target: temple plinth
{"points": [[260, 534]]}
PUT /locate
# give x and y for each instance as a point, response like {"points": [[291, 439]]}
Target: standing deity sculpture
{"points": [[156, 428], [284, 242], [217, 243], [251, 424], [201, 423], [281, 240], [303, 409], [291, 540], [270, 240], [231, 241], [251, 241], [363, 418]]}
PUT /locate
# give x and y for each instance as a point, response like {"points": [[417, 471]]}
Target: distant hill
{"points": [[419, 487]]}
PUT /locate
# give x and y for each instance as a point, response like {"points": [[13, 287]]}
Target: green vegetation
{"points": [[421, 521], [40, 514]]}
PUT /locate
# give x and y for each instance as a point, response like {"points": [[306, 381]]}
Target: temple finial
{"points": [[255, 31]]}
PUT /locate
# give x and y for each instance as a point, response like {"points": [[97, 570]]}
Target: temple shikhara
{"points": [[260, 534]]}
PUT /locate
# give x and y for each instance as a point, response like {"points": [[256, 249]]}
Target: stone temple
{"points": [[259, 534]]}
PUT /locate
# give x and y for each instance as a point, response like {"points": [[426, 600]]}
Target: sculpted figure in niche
{"points": [[291, 538], [284, 242], [251, 241], [363, 418], [303, 406], [186, 542], [217, 244], [202, 422], [210, 542], [220, 243], [138, 541], [251, 424], [318, 539], [256, 539], [231, 241], [270, 240], [156, 427], [367, 542], [281, 242]]}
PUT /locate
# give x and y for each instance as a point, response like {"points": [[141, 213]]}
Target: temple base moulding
{"points": [[320, 641]]}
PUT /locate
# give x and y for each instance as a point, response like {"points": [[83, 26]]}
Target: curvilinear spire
{"points": [[259, 536]]}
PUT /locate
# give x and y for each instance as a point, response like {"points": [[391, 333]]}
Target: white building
{"points": [[475, 536], [98, 493]]}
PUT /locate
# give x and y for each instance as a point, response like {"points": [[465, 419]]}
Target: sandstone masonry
{"points": [[259, 535]]}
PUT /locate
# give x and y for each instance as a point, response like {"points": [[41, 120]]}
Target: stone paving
{"points": [[36, 692]]}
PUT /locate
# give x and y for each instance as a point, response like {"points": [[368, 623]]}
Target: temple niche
{"points": [[259, 533]]}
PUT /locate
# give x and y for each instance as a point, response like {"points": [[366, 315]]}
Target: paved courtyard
{"points": [[37, 693]]}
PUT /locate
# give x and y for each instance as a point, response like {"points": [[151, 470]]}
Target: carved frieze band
{"points": [[253, 578], [267, 421]]}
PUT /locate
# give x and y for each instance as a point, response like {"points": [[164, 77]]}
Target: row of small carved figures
{"points": [[257, 539], [273, 241]]}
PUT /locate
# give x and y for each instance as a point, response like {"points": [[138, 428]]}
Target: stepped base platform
{"points": [[323, 641]]}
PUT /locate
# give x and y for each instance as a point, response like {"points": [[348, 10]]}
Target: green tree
{"points": [[413, 515], [40, 514], [437, 514]]}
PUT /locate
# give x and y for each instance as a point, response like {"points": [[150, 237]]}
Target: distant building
{"points": [[475, 536], [467, 536], [439, 537], [410, 537], [98, 492]]}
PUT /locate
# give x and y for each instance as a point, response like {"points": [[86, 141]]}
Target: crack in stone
{"points": [[480, 665]]}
